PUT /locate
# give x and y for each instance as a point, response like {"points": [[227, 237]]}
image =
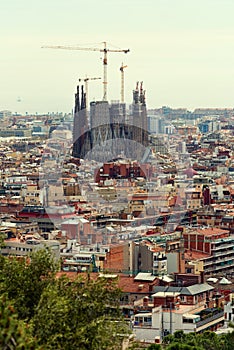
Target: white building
{"points": [[229, 310], [178, 308]]}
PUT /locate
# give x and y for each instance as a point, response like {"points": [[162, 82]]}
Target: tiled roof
{"points": [[145, 276], [191, 290], [207, 231], [194, 255], [125, 283]]}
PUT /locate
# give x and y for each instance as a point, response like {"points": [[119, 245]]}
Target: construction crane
{"points": [[86, 80], [122, 82], [105, 50]]}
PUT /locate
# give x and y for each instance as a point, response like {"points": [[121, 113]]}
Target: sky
{"points": [[182, 50]]}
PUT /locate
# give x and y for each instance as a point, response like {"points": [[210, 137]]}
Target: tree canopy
{"points": [[39, 311], [14, 333], [203, 341], [24, 279], [81, 314], [57, 313]]}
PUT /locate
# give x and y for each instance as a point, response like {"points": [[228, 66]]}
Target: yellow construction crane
{"points": [[105, 50], [122, 82], [86, 80]]}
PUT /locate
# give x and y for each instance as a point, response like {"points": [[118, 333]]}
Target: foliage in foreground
{"points": [[14, 333], [192, 341], [203, 341], [39, 311], [79, 315], [24, 279], [56, 313]]}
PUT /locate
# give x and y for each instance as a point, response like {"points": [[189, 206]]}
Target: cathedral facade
{"points": [[109, 131]]}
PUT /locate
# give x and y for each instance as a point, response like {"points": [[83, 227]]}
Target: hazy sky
{"points": [[183, 51]]}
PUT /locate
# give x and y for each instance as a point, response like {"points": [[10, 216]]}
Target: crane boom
{"points": [[82, 48], [105, 50]]}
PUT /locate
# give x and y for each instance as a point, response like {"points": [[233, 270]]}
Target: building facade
{"points": [[111, 130]]}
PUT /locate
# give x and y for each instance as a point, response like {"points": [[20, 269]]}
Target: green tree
{"points": [[81, 314], [227, 340], [57, 313], [209, 341], [204, 341], [168, 339], [14, 333], [179, 346], [154, 347], [24, 279]]}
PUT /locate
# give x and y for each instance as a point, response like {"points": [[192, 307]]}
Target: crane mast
{"points": [[122, 82], [105, 73], [105, 50], [86, 80]]}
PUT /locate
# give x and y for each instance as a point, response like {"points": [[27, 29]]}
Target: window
{"points": [[187, 320]]}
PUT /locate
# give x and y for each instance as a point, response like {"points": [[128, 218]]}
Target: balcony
{"points": [[142, 324], [224, 245], [219, 268], [209, 321], [143, 320], [225, 259], [224, 252]]}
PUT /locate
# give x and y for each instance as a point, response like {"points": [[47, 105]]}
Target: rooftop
{"points": [[144, 276], [210, 231], [166, 294], [191, 290]]}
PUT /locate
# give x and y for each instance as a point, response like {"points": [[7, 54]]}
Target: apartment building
{"points": [[24, 246], [213, 246], [135, 257], [193, 198], [191, 309], [229, 309], [32, 194], [217, 215]]}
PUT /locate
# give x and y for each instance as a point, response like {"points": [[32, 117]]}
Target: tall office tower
{"points": [[153, 124], [81, 139]]}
